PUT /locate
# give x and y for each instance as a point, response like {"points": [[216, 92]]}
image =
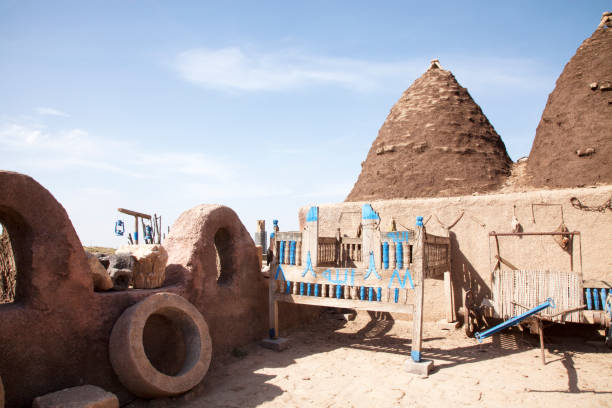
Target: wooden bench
{"points": [[379, 271]]}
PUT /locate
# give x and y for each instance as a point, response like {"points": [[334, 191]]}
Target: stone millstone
{"points": [[149, 269], [85, 396], [573, 142], [435, 142]]}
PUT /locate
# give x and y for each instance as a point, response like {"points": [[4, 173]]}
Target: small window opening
{"points": [[8, 270], [224, 249]]}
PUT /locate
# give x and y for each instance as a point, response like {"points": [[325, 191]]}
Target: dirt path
{"points": [[359, 364]]}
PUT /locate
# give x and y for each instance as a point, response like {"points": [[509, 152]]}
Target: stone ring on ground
{"points": [[127, 349]]}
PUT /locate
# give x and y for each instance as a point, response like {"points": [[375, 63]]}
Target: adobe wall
{"points": [[482, 214], [56, 333]]}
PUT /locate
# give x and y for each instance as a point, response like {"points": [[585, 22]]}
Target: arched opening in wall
{"points": [[224, 249], [8, 269]]}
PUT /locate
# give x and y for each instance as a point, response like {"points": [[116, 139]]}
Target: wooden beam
{"points": [[506, 262], [346, 303], [134, 213]]}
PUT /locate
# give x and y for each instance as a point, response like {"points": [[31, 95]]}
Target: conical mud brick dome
{"points": [[435, 142], [573, 142]]}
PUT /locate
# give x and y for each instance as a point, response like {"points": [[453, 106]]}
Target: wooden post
{"points": [[370, 234], [541, 330], [136, 234], [310, 237], [417, 324], [272, 305], [136, 216], [448, 294]]}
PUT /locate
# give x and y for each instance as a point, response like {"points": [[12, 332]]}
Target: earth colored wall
{"points": [[56, 333], [471, 246]]}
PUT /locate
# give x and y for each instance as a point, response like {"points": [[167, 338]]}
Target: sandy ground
{"points": [[333, 363]]}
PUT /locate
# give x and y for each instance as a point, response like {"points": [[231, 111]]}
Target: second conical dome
{"points": [[435, 142]]}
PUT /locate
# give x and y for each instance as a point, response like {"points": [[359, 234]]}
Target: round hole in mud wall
{"points": [[8, 269], [224, 249], [164, 344]]}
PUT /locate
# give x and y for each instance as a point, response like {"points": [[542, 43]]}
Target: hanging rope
{"points": [[600, 208]]}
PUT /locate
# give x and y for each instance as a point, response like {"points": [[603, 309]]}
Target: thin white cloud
{"points": [[51, 112], [236, 69], [34, 146]]}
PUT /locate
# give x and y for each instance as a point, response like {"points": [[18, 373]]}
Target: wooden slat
{"points": [[346, 303], [350, 240], [288, 236], [134, 213], [353, 276]]}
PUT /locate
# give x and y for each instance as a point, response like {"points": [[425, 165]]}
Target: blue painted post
{"points": [[316, 290], [288, 287], [308, 290], [399, 255], [362, 293], [589, 302], [281, 256], [602, 293], [385, 255], [301, 288], [378, 294], [370, 293], [338, 289], [596, 299], [396, 294]]}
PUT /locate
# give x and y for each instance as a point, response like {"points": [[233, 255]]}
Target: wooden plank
{"points": [[350, 240], [289, 236], [591, 283], [346, 303], [134, 213], [389, 278], [327, 240]]}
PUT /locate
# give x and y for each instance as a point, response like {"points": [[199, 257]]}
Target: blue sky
{"points": [[159, 106]]}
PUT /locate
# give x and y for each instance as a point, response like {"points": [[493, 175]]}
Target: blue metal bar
{"points": [[396, 294], [316, 285], [370, 294], [288, 287], [338, 289], [281, 256], [399, 255], [362, 293], [514, 321], [301, 288], [378, 294], [596, 299], [589, 301], [385, 255], [602, 293], [308, 290]]}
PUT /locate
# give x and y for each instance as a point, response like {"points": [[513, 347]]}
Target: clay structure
{"points": [[573, 142], [56, 333], [435, 142]]}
